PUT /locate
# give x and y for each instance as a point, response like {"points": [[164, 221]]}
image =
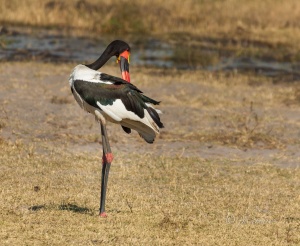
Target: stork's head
{"points": [[121, 50], [117, 48]]}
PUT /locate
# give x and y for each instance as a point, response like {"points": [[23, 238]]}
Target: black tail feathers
{"points": [[154, 115]]}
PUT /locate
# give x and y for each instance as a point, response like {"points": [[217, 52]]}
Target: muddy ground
{"points": [[242, 118]]}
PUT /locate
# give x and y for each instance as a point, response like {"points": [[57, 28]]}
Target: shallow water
{"points": [[44, 46]]}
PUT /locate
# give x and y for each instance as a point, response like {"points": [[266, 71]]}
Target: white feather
{"points": [[111, 111], [116, 113], [82, 72], [119, 113]]}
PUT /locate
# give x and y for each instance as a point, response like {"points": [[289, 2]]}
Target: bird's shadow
{"points": [[65, 206], [74, 208]]}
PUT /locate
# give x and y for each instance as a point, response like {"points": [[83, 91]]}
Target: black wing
{"points": [[106, 94]]}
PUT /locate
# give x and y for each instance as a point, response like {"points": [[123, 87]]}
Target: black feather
{"points": [[118, 81], [154, 115], [126, 129], [149, 100], [106, 94]]}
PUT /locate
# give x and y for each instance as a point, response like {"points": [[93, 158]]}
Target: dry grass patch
{"points": [[50, 195], [244, 130], [53, 199], [243, 111]]}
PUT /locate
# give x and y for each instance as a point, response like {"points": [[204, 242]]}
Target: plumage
{"points": [[126, 129], [119, 101], [116, 100]]}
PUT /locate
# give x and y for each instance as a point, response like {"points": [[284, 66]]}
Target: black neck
{"points": [[106, 55], [113, 49]]}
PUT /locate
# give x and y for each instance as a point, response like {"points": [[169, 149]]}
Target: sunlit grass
{"points": [[53, 199], [50, 169]]}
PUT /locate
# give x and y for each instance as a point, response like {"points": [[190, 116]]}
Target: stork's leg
{"points": [[106, 162]]}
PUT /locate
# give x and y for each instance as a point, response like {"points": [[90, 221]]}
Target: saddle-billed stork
{"points": [[116, 100]]}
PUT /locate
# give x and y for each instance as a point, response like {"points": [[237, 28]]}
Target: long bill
{"points": [[124, 65]]}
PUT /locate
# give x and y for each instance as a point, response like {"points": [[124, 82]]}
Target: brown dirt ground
{"points": [[242, 118]]}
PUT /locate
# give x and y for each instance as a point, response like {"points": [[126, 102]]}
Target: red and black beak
{"points": [[123, 60]]}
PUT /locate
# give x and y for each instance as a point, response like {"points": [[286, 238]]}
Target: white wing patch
{"points": [[119, 113], [111, 110]]}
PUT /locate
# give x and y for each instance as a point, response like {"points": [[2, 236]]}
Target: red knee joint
{"points": [[103, 215], [108, 158]]}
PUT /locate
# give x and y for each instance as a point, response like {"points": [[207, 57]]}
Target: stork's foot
{"points": [[107, 158], [103, 215]]}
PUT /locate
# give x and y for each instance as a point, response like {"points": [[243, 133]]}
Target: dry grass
{"points": [[243, 129], [160, 194], [242, 111], [210, 179], [53, 200], [231, 20]]}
